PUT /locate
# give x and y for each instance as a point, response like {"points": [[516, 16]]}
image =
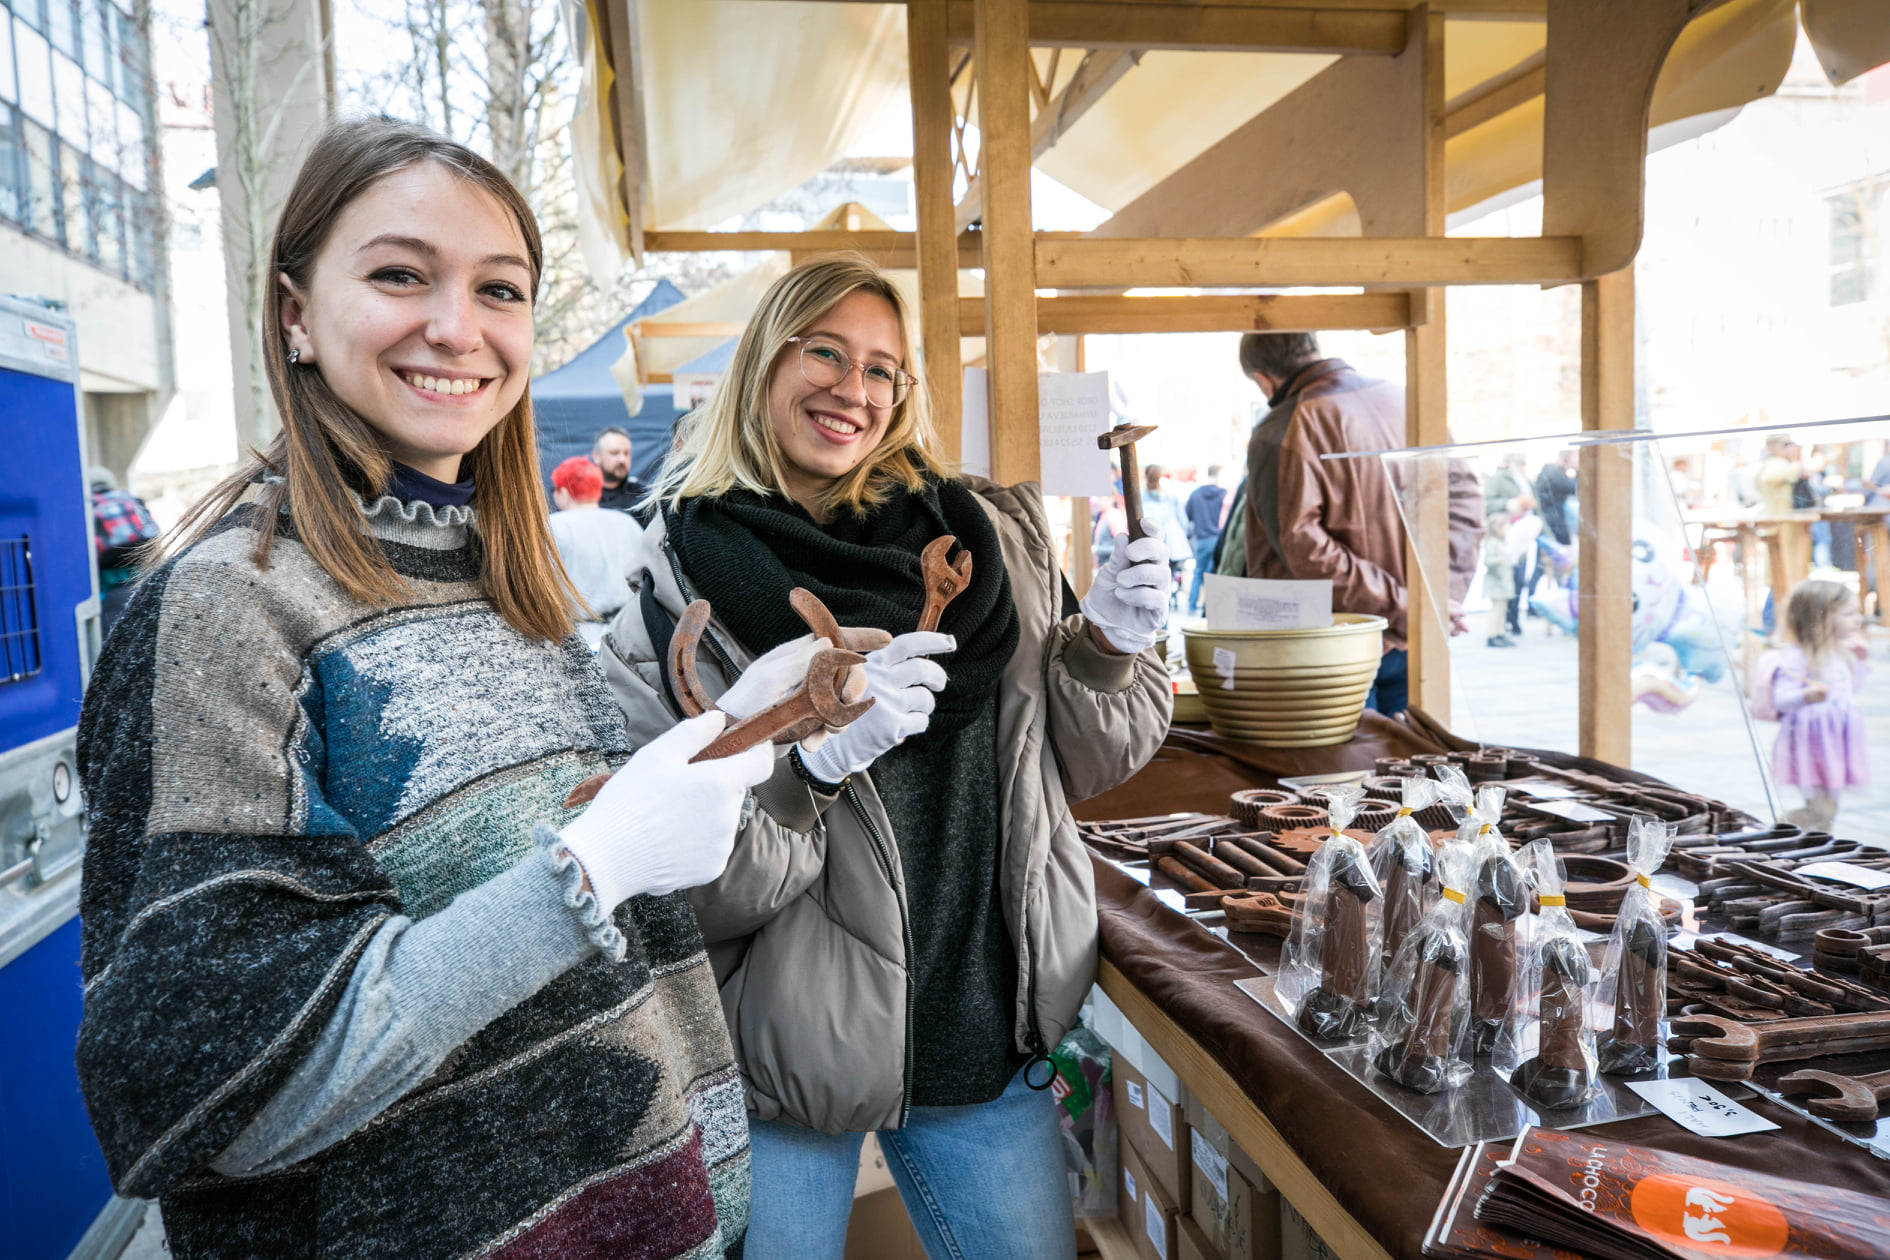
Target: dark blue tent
{"points": [[576, 402]]}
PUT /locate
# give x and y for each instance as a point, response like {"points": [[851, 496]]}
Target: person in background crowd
{"points": [[1163, 506], [358, 980], [1822, 748], [1808, 495], [1310, 518], [595, 545], [1555, 497], [908, 925], [121, 526], [611, 453], [1506, 493], [1204, 510], [1779, 472], [1877, 485], [1499, 577]]}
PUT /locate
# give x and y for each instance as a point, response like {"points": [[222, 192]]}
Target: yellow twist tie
{"points": [[1553, 899], [1643, 881], [1484, 830], [1451, 894], [1336, 833], [1404, 811]]}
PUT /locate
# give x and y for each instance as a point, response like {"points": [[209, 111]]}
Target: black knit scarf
{"points": [[744, 552]]}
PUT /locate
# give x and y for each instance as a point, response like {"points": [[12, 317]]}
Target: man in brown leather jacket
{"points": [[1309, 518]]}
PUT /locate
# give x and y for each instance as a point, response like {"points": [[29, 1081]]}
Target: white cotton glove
{"points": [[662, 824], [901, 682], [1128, 601], [770, 677]]}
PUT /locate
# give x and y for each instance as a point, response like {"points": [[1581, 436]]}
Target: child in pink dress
{"points": [[1820, 748]]}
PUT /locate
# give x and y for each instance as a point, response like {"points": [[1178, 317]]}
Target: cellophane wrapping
{"points": [[1419, 1040], [1329, 966], [1547, 1046], [1632, 996], [1498, 901], [1454, 791], [1402, 860]]}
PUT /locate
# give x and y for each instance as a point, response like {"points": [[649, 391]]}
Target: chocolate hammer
{"points": [[1852, 1098], [1123, 438]]}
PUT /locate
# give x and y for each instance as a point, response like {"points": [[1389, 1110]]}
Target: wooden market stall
{"points": [[1244, 147]]}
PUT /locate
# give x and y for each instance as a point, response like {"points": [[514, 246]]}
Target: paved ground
{"points": [[1527, 695]]}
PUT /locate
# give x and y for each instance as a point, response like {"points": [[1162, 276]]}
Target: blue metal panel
{"points": [[42, 495], [52, 1177]]}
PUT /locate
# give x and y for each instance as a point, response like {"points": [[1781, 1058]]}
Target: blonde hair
{"points": [[729, 441], [1813, 606], [325, 454]]}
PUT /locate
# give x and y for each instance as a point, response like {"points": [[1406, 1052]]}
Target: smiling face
{"points": [[418, 315], [823, 434]]}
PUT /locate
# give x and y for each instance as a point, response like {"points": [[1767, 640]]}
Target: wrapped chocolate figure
{"points": [[1330, 960], [1634, 971], [1562, 1072], [1420, 1041], [1402, 861], [1501, 900]]}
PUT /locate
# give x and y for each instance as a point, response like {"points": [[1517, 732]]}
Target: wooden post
{"points": [[1002, 30], [1605, 484], [1082, 558], [1427, 478], [927, 55]]}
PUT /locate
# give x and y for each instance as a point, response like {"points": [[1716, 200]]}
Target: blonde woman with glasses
{"points": [[907, 925]]}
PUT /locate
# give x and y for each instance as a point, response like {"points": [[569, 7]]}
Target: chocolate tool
{"points": [[1123, 438], [1559, 1076], [1849, 1098], [1722, 1049], [944, 580]]}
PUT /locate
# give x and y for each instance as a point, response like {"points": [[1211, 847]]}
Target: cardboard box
{"points": [[1229, 1198], [1155, 1127], [1145, 1211], [1193, 1243], [1297, 1239], [879, 1228]]}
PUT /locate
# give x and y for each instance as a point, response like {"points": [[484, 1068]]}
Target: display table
{"points": [[1364, 1178]]}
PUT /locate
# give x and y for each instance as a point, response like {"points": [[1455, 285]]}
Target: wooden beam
{"points": [[1100, 70], [1426, 408], [929, 70], [1516, 86], [1605, 486], [899, 250], [1081, 314], [1246, 1123], [689, 328], [1603, 59], [625, 104], [1106, 24], [1256, 262], [1003, 65]]}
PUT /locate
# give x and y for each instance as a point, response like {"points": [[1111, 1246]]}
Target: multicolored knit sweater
{"points": [[343, 999]]}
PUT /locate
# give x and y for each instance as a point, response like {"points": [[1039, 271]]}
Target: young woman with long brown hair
{"points": [[908, 919], [357, 982]]}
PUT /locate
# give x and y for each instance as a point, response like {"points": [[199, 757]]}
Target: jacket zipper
{"points": [[905, 931]]}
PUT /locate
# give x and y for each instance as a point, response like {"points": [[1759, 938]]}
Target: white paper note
{"points": [[1846, 873], [1161, 1118], [1156, 1226], [1135, 1095], [1072, 412], [1224, 667], [1264, 604], [974, 431], [1541, 791], [1128, 1184], [1695, 1105], [1212, 1163]]}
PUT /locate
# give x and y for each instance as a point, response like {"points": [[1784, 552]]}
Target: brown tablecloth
{"points": [[1386, 1173]]}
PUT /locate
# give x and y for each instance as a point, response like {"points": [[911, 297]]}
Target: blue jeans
{"points": [[1390, 693], [1203, 556], [978, 1181]]}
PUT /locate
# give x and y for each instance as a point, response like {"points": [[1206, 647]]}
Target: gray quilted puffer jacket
{"points": [[807, 926]]}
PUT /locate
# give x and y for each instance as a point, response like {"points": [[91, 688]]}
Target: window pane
{"points": [[98, 39], [10, 155], [133, 162], [42, 183], [62, 26], [102, 111], [105, 211], [69, 96], [131, 58], [28, 11], [9, 90], [34, 61]]}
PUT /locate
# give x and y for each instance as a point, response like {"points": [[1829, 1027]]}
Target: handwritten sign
{"points": [[1072, 412], [1846, 873], [1695, 1105], [1264, 604]]}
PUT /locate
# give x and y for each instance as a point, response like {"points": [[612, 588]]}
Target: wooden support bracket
{"points": [[1080, 314]]}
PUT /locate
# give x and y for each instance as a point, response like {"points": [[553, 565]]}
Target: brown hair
{"points": [[325, 454], [728, 441], [1808, 615]]}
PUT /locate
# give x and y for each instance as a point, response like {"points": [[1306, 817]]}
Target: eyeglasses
{"points": [[825, 365]]}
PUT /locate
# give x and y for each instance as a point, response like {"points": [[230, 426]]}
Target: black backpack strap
{"points": [[661, 628]]}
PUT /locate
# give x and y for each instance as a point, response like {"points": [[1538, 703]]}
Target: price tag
{"points": [[1695, 1105], [1135, 1095], [1846, 873]]}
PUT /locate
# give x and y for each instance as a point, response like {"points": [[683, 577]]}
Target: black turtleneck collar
{"points": [[409, 487]]}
